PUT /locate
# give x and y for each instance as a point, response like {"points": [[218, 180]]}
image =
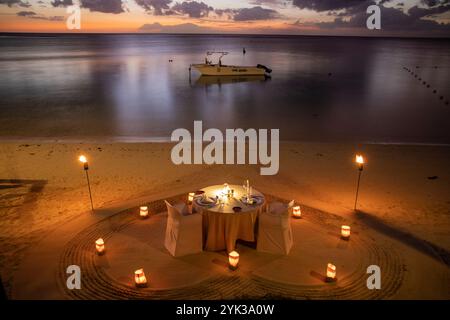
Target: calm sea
{"points": [[123, 87]]}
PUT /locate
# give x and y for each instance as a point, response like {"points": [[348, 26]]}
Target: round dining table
{"points": [[227, 218]]}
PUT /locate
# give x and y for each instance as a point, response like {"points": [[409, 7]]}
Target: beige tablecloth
{"points": [[221, 225]]}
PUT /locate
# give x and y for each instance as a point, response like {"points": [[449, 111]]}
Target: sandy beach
{"points": [[403, 195]]}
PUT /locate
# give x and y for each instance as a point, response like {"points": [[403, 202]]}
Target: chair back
{"points": [[172, 212], [291, 204]]}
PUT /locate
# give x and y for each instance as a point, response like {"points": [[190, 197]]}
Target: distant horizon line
{"points": [[221, 34]]}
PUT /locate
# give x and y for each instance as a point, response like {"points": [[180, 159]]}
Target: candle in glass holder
{"points": [[139, 278], [331, 272], [100, 246], [143, 212], [296, 212], [191, 197], [233, 260], [226, 189], [345, 232]]}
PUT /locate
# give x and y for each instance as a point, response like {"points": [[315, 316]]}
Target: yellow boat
{"points": [[218, 69]]}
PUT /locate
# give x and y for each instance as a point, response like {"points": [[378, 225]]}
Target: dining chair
{"points": [[274, 230], [183, 231]]}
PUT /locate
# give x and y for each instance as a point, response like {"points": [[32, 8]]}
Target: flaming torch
{"points": [[84, 161], [360, 161]]}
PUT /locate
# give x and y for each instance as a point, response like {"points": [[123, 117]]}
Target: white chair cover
{"points": [[183, 232], [274, 232]]}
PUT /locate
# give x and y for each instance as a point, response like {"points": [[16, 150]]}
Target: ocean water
{"points": [[123, 87]]}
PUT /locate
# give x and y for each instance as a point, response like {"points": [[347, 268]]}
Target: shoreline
{"points": [[224, 35], [166, 140]]}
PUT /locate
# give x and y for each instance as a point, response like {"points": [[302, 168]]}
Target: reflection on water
{"points": [[322, 88], [220, 80]]}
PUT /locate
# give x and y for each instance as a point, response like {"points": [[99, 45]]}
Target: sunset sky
{"points": [[335, 17]]}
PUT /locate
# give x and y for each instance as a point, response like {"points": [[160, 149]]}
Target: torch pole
{"points": [[86, 168], [357, 186]]}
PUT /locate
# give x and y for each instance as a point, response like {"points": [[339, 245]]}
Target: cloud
{"points": [[417, 13], [10, 3], [62, 3], [326, 5], [105, 6], [221, 12], [109, 6], [25, 13], [255, 13], [196, 29], [432, 3], [393, 19], [271, 3], [193, 9], [52, 18], [157, 6], [34, 15], [179, 28]]}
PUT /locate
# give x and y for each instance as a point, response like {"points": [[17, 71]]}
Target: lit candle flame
{"points": [[82, 159], [359, 159]]}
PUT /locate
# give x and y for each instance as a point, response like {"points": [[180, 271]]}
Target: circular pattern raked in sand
{"points": [[132, 243]]}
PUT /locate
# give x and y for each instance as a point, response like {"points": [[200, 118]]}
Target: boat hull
{"points": [[216, 70], [219, 80]]}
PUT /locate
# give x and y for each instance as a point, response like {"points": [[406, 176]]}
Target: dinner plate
{"points": [[257, 200], [201, 201]]}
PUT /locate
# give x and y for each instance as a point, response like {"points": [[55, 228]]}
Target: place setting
{"points": [[204, 200]]}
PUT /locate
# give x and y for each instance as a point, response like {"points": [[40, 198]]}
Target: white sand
{"points": [[396, 197]]}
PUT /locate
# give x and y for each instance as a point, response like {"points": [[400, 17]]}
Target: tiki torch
{"points": [[83, 160], [360, 162]]}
